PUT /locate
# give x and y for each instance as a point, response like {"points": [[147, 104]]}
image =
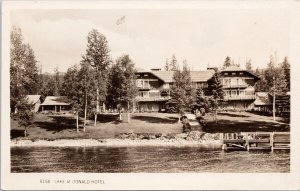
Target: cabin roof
{"points": [[55, 100], [262, 98], [33, 99]]}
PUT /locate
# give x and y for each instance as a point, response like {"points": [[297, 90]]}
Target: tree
{"points": [[167, 67], [286, 68], [248, 65], [276, 81], [122, 84], [70, 89], [87, 86], [173, 66], [97, 55], [57, 84], [216, 92], [182, 93], [261, 85], [201, 102], [23, 73], [227, 62], [31, 79]]}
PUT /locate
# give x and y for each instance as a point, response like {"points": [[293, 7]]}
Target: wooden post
{"points": [[60, 108], [55, 108], [272, 141], [247, 142], [274, 108]]}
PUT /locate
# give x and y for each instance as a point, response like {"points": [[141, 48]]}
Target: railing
{"points": [[239, 97], [235, 86], [156, 98]]}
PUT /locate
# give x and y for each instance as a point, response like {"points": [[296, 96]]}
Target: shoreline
{"points": [[116, 143]]}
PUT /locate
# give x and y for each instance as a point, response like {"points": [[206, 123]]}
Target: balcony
{"points": [[156, 98], [239, 97], [235, 86]]}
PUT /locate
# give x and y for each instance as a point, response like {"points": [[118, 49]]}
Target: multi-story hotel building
{"points": [[239, 88], [154, 87]]}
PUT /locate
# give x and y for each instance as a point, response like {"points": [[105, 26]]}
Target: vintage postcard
{"points": [[156, 95]]}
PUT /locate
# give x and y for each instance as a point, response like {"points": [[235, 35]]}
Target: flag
{"points": [[120, 20]]}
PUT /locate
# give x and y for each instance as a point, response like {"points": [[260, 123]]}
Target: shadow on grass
{"points": [[107, 118], [226, 126], [233, 115], [151, 119], [15, 133], [58, 123]]}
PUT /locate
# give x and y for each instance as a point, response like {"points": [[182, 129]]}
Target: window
{"points": [[233, 73], [166, 86], [233, 93], [145, 74], [225, 73], [241, 73]]}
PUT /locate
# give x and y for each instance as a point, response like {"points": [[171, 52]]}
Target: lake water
{"points": [[144, 159]]}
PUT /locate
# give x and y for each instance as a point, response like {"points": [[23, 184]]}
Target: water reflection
{"points": [[144, 159]]}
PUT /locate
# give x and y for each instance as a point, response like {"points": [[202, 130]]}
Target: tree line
{"points": [[89, 86]]}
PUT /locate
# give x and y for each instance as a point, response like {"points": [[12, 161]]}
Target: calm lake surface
{"points": [[145, 159]]}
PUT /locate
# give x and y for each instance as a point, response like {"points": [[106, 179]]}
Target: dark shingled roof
{"points": [[197, 76]]}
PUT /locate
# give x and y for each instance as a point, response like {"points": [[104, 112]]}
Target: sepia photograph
{"points": [[147, 88]]}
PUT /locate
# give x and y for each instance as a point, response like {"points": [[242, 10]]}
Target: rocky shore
{"points": [[193, 138]]}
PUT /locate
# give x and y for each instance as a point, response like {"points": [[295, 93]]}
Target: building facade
{"points": [[238, 85], [239, 88], [154, 88]]}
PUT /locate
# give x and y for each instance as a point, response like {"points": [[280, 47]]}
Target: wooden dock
{"points": [[246, 141]]}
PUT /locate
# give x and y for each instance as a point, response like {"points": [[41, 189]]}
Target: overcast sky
{"points": [[202, 37]]}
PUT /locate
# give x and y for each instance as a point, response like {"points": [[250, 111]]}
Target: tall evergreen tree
{"points": [[173, 66], [248, 65], [227, 62], [216, 92], [286, 68], [167, 65], [182, 93]]}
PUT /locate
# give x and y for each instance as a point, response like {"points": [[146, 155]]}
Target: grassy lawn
{"points": [[243, 122], [63, 126]]}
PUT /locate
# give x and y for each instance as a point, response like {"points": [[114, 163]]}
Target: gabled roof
{"points": [[238, 69], [262, 98], [196, 76], [55, 100], [33, 99]]}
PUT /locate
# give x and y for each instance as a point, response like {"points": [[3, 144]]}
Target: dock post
{"points": [[272, 141]]}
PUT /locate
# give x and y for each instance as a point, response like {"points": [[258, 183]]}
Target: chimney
{"points": [[155, 69]]}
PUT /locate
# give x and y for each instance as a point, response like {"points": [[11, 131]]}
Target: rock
{"points": [[181, 136], [194, 136]]}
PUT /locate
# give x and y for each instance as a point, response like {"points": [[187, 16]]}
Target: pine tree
{"points": [[227, 62], [167, 67], [248, 65], [173, 66], [216, 92], [286, 68], [182, 93]]}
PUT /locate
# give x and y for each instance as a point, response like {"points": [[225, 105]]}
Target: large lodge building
{"points": [[238, 85]]}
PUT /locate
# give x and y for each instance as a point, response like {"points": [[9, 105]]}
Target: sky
{"points": [[204, 37]]}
